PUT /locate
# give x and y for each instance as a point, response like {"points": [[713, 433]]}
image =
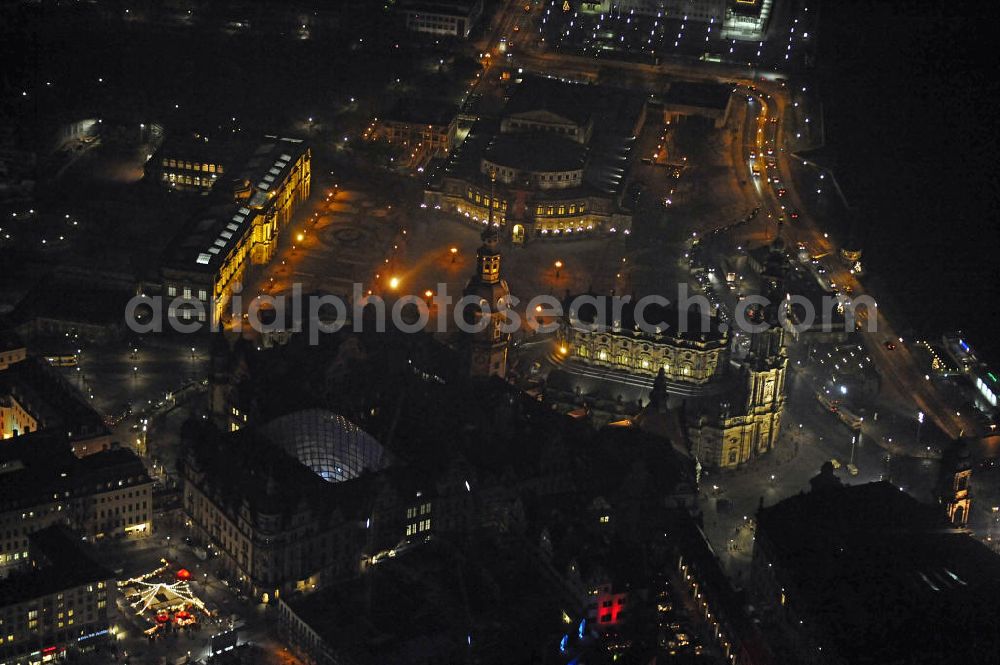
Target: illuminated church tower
{"points": [[487, 348], [953, 485], [767, 362]]}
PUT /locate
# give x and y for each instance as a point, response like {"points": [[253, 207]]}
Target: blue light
{"points": [[562, 643], [469, 639], [583, 627], [965, 347]]}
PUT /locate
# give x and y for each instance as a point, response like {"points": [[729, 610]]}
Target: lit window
{"points": [[171, 291]]}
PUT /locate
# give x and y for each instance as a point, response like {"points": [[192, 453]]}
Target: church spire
{"points": [[488, 255], [488, 347]]}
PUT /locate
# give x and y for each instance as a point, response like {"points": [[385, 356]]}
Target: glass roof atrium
{"points": [[329, 444]]}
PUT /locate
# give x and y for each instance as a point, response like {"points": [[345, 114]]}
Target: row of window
{"points": [[626, 359], [181, 179], [129, 507], [187, 314], [418, 527], [187, 293], [498, 204], [571, 209], [449, 22], [558, 129], [195, 166], [422, 509]]}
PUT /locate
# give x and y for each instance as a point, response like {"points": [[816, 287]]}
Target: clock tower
{"points": [[487, 347]]}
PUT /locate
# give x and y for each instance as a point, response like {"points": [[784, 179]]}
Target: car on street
{"points": [[889, 344]]}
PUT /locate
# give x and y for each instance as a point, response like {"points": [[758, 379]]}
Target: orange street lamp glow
{"points": [[393, 283], [563, 350], [300, 237], [428, 293]]}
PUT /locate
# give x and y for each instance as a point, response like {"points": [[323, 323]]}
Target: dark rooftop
{"points": [[244, 466], [199, 147], [60, 560], [574, 102], [450, 7], [35, 466], [673, 323], [421, 112], [424, 605], [705, 95], [886, 576], [50, 398], [61, 298], [537, 152]]}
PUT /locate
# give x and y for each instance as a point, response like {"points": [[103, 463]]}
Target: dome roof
{"points": [[332, 446]]}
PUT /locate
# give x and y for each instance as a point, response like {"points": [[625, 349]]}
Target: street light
{"points": [[454, 253], [920, 422], [558, 265]]}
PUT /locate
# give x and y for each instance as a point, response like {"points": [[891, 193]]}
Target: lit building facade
{"points": [[104, 495], [213, 254], [740, 19], [954, 482], [694, 357], [554, 166], [418, 126], [34, 397], [746, 422], [195, 163], [63, 600], [734, 405], [446, 18], [277, 523]]}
